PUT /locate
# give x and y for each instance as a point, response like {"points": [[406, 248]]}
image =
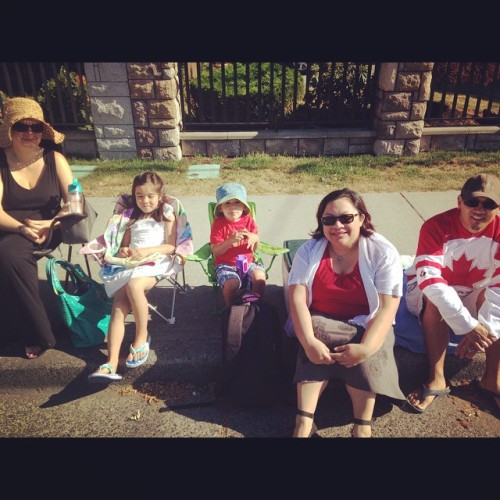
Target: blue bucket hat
{"points": [[230, 191]]}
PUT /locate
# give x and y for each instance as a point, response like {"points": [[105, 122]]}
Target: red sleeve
{"points": [[217, 233], [252, 225]]}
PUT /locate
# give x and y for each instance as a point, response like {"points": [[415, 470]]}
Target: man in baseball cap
{"points": [[454, 286], [486, 185]]}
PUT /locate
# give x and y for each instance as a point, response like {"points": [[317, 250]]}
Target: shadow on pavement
{"points": [[78, 388]]}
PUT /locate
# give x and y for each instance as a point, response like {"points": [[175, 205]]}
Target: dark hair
{"points": [[140, 180], [367, 229]]}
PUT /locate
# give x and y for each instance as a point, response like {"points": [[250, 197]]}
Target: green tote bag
{"points": [[83, 304]]}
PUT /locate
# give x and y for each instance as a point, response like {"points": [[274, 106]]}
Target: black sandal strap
{"points": [[305, 414], [359, 421]]}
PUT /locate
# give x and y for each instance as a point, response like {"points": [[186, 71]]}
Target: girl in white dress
{"points": [[151, 230]]}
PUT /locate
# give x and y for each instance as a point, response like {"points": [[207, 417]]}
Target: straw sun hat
{"points": [[22, 108]]}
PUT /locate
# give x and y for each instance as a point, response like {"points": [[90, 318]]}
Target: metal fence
{"points": [[60, 88], [274, 95], [464, 93], [237, 95]]}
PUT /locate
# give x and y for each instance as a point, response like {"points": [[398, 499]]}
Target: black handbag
{"points": [[77, 228]]}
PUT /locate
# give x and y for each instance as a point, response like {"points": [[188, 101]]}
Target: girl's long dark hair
{"points": [[367, 229], [140, 180]]}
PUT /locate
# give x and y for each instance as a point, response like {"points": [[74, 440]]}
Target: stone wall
{"points": [[154, 94], [401, 102], [481, 138], [331, 142], [136, 111], [109, 94], [323, 142]]}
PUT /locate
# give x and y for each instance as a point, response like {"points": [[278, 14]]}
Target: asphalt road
{"points": [[162, 410]]}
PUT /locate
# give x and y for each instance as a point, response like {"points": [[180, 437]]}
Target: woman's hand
{"points": [[37, 225], [35, 230], [29, 233], [318, 353], [350, 355]]}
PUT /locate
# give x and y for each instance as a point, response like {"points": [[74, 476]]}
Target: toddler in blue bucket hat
{"points": [[234, 234]]}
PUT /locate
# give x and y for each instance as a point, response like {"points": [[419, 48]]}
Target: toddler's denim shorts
{"points": [[225, 272]]}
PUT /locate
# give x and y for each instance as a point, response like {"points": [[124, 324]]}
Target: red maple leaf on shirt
{"points": [[497, 261], [463, 273]]}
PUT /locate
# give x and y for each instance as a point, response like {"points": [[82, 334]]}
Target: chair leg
{"points": [[70, 249], [154, 309], [172, 317], [176, 286]]}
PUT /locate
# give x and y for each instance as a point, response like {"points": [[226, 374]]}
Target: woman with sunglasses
{"points": [[33, 188], [454, 285], [345, 285]]}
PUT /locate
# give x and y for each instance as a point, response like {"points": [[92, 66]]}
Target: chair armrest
{"points": [[271, 249], [201, 254]]}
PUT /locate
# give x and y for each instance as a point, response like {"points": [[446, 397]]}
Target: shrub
{"points": [[243, 92], [72, 90], [339, 91]]}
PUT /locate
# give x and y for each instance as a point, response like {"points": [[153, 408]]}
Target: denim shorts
{"points": [[225, 272]]}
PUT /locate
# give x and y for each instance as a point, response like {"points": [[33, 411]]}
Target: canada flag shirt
{"points": [[451, 262]]}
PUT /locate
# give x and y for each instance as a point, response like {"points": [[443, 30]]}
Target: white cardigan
{"points": [[379, 265]]}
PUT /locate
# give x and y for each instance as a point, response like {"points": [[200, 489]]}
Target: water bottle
{"points": [[75, 197], [241, 266]]}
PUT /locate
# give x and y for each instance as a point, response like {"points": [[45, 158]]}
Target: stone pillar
{"points": [[111, 109], [154, 93], [401, 102]]}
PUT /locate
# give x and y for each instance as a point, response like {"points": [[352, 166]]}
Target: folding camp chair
{"points": [[70, 237], [184, 247], [205, 258]]}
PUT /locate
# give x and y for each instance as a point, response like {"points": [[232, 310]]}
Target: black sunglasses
{"points": [[330, 220], [487, 205], [36, 128]]}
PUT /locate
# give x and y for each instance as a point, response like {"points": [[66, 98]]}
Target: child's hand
{"points": [[238, 237], [252, 241], [124, 252], [138, 253]]}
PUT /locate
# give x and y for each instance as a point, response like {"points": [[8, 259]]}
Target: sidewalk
{"points": [[190, 349]]}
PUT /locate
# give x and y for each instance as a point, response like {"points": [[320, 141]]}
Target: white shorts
{"points": [[414, 303]]}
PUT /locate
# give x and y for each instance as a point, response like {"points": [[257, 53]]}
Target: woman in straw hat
{"points": [[33, 189]]}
